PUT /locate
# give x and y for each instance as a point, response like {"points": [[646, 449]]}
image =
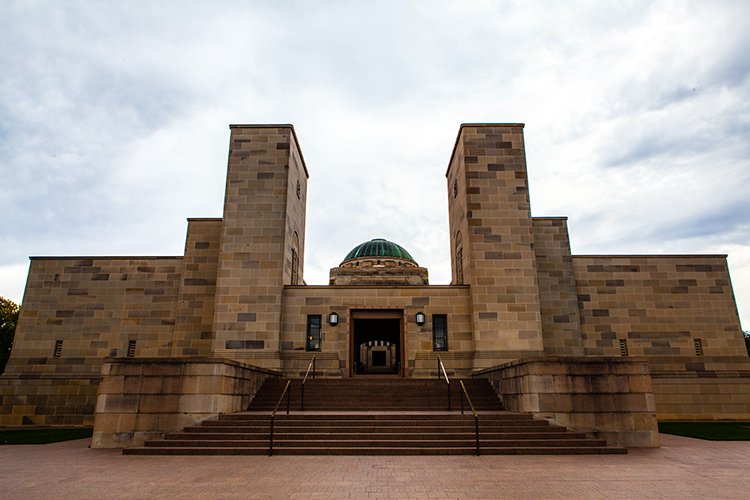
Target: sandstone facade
{"points": [[238, 295]]}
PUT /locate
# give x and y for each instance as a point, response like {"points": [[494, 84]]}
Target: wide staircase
{"points": [[375, 416]]}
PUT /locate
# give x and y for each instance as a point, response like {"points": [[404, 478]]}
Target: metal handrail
{"points": [[465, 394], [441, 366], [302, 393], [286, 393]]}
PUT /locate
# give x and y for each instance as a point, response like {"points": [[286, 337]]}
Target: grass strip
{"points": [[43, 435], [712, 431]]}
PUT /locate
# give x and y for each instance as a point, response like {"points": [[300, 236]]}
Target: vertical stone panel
{"points": [[195, 304], [561, 326]]}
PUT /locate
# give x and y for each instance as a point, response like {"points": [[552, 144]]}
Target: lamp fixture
{"points": [[420, 318], [333, 319]]}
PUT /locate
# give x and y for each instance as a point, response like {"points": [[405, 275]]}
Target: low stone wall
{"points": [[142, 398], [694, 396], [47, 399], [701, 387], [610, 398]]}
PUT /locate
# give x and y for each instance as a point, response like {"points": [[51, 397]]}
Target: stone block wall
{"points": [[76, 311], [420, 359], [701, 388], [61, 397], [492, 215], [264, 208], [610, 398], [296, 215], [378, 271], [561, 325], [193, 329], [140, 399], [657, 305]]}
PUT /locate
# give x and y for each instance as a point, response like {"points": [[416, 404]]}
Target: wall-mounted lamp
{"points": [[333, 319], [420, 318]]}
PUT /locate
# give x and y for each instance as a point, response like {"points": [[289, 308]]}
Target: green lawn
{"points": [[41, 436], [714, 431]]}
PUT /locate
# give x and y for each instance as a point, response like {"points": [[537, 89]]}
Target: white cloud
{"points": [[13, 281], [113, 120]]}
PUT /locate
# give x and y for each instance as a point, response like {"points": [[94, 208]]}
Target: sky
{"points": [[114, 120]]}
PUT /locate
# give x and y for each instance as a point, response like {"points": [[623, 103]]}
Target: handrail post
{"points": [[441, 367], [270, 439], [310, 366], [288, 400], [473, 412], [462, 401], [273, 413], [476, 431]]}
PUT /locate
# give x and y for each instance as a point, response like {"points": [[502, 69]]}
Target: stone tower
{"points": [[262, 241], [492, 241]]}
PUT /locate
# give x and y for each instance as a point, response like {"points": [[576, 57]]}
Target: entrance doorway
{"points": [[376, 343]]}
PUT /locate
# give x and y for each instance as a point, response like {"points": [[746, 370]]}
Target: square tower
{"points": [[492, 241], [262, 241]]}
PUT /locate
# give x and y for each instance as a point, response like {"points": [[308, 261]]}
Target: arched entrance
{"points": [[376, 342]]}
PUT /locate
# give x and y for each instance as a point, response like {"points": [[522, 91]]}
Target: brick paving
{"points": [[681, 468]]}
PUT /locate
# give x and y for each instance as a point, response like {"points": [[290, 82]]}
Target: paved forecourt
{"points": [[681, 468]]}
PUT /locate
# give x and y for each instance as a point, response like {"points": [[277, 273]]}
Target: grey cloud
{"points": [[724, 220]]}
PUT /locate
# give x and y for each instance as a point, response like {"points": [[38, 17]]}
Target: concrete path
{"points": [[682, 468]]}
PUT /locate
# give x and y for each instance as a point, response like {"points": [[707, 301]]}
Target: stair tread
{"points": [[374, 416]]}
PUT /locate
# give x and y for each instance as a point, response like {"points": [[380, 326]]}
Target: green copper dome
{"points": [[378, 248]]}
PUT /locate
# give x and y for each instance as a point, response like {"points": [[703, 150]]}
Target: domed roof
{"points": [[378, 248]]}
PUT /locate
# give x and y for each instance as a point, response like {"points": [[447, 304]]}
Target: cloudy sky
{"points": [[114, 120]]}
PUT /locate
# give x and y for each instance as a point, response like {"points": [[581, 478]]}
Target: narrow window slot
{"points": [[131, 348], [623, 347], [698, 345]]}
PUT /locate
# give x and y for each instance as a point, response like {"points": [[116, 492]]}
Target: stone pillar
{"points": [[490, 224], [261, 245]]}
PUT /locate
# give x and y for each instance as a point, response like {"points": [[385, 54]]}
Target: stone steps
{"points": [[383, 424], [375, 394], [377, 451]]}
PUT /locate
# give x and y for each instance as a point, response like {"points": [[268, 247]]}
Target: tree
{"points": [[8, 320]]}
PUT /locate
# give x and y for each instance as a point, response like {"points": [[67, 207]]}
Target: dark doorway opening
{"points": [[377, 346]]}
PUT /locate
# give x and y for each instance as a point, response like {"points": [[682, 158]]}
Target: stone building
{"points": [[238, 295]]}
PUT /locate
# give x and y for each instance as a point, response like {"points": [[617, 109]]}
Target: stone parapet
{"points": [[143, 398], [610, 398]]}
